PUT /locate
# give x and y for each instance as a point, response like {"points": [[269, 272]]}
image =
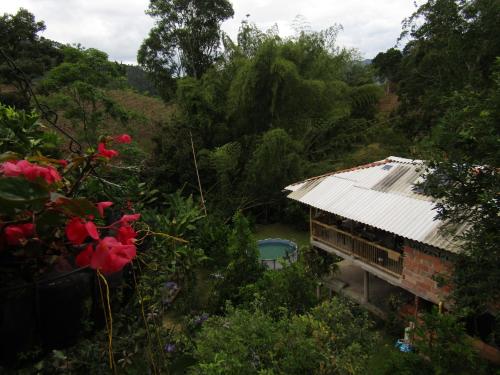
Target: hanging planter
{"points": [[53, 248], [53, 312], [17, 324], [64, 308]]}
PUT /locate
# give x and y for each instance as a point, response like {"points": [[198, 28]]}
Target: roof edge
{"points": [[363, 166]]}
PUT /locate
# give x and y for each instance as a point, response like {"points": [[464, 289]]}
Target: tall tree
{"points": [[244, 267], [184, 41], [466, 180], [453, 44], [266, 110], [387, 64], [21, 44], [77, 87]]}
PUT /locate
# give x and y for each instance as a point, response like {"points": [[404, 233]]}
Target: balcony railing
{"points": [[378, 256]]}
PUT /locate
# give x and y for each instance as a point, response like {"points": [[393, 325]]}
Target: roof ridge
{"points": [[363, 166], [399, 159]]}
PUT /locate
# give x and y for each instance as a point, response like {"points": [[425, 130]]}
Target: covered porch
{"points": [[365, 288]]}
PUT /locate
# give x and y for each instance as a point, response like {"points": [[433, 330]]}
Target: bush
{"points": [[334, 338], [288, 291]]}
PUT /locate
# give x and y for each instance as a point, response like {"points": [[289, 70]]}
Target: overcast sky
{"points": [[119, 26]]}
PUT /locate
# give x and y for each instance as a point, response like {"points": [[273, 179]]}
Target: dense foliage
{"points": [[184, 41], [246, 118], [334, 338], [442, 347], [448, 84], [33, 54], [269, 112], [77, 87]]}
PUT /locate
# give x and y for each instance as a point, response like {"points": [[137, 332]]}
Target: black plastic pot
{"points": [[18, 327], [64, 304], [54, 312], [47, 314]]}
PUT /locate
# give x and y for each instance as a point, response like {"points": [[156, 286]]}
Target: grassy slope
{"points": [[148, 113]]}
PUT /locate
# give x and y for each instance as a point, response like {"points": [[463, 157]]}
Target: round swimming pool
{"points": [[271, 250]]}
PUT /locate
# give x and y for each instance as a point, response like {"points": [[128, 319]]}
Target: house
{"points": [[376, 217]]}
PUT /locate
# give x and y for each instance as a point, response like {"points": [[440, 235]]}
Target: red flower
{"points": [[128, 218], [102, 205], [10, 169], [126, 235], [77, 230], [63, 163], [30, 171], [124, 138], [111, 256], [15, 234], [104, 152], [83, 259]]}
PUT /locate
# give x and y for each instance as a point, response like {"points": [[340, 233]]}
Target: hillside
{"points": [[147, 113]]}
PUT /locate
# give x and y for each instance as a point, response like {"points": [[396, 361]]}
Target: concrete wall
{"points": [[419, 270]]}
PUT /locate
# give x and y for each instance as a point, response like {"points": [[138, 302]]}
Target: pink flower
{"points": [[63, 163], [77, 230], [111, 256], [10, 169], [124, 138], [128, 218], [103, 205], [30, 171], [15, 234], [83, 259], [126, 235], [104, 152]]}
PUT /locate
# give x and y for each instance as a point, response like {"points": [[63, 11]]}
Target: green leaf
{"points": [[18, 193]]}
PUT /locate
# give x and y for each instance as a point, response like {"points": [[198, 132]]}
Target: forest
{"points": [[130, 195]]}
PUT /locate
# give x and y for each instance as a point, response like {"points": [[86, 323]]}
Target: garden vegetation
{"points": [[155, 229]]}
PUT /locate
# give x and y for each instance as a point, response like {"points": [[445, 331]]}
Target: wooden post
{"points": [[310, 224], [366, 287], [416, 317], [416, 307]]}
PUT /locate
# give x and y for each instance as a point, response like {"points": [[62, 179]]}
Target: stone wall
{"points": [[419, 270]]}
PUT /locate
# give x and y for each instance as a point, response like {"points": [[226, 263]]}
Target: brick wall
{"points": [[418, 271]]}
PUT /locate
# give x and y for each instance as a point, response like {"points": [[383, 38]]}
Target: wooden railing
{"points": [[378, 256]]}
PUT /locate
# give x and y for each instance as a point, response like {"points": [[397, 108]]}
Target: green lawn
{"points": [[278, 230]]}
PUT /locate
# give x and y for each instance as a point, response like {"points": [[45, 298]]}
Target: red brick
{"points": [[418, 272]]}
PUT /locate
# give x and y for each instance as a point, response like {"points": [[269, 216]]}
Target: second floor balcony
{"points": [[383, 258]]}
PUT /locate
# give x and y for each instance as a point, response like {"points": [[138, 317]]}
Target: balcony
{"points": [[380, 257]]}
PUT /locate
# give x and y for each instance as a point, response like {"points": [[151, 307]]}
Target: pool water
{"points": [[274, 250]]}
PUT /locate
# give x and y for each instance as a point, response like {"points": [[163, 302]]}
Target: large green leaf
{"points": [[18, 193]]}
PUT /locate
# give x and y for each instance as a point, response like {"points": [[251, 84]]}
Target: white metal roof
{"points": [[380, 194]]}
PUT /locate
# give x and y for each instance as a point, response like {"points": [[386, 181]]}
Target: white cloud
{"points": [[119, 26]]}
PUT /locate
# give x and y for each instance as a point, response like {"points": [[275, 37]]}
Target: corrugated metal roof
{"points": [[380, 194]]}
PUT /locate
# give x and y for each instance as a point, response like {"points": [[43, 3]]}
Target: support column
{"points": [[310, 224], [417, 300], [366, 287]]}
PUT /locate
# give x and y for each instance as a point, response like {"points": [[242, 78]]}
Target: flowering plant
{"points": [[42, 222]]}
